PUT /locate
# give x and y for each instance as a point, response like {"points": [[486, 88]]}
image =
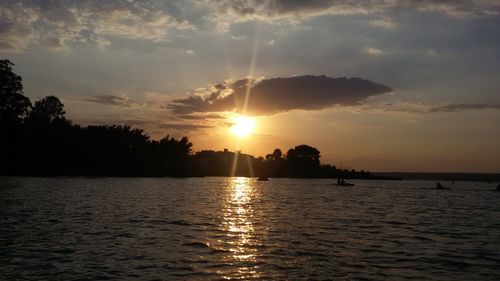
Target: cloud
{"points": [[239, 38], [384, 22], [455, 9], [57, 23], [287, 9], [132, 122], [454, 107], [122, 101], [271, 42], [16, 30], [432, 53], [200, 117], [55, 43], [271, 96], [426, 108], [148, 124], [373, 51], [293, 11], [183, 126]]}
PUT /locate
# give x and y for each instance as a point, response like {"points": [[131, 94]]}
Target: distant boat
{"points": [[342, 182], [340, 179], [263, 178]]}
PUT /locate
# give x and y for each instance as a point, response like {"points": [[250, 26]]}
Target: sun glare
{"points": [[242, 126]]}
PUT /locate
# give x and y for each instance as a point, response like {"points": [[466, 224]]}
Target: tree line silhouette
{"points": [[36, 139]]}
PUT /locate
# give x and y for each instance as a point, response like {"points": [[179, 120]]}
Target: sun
{"points": [[242, 126]]}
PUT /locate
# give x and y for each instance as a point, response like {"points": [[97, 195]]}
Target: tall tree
{"points": [[304, 160], [13, 104]]}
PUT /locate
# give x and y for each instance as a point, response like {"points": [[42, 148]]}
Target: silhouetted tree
{"points": [[172, 156], [225, 163], [303, 160], [276, 155], [13, 108], [46, 111], [13, 104], [304, 153]]}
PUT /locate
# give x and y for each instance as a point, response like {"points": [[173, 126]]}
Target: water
{"points": [[225, 228]]}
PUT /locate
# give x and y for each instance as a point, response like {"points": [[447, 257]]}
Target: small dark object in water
{"points": [[440, 186], [342, 182], [263, 179], [498, 187]]}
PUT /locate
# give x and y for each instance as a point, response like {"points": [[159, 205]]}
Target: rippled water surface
{"points": [[224, 228]]}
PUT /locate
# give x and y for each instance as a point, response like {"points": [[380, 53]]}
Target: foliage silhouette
{"points": [[38, 140], [303, 161], [14, 107], [47, 111], [13, 103]]}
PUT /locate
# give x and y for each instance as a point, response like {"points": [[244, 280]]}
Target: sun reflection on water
{"points": [[238, 225]]}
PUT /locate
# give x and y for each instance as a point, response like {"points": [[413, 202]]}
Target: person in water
{"points": [[438, 185], [341, 181]]}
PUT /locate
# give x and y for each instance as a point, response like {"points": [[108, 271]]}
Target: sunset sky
{"points": [[424, 93]]}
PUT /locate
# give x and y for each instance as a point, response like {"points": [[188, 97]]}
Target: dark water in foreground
{"points": [[223, 228]]}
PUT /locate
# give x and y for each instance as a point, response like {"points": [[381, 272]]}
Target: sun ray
{"points": [[243, 126], [235, 164], [252, 67]]}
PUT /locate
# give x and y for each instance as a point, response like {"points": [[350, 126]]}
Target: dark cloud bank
{"points": [[122, 101], [183, 127], [270, 96], [454, 107]]}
